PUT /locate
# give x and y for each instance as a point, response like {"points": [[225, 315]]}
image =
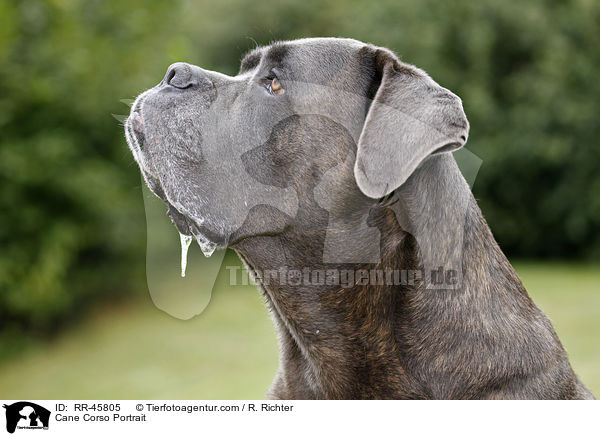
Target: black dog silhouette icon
{"points": [[26, 414]]}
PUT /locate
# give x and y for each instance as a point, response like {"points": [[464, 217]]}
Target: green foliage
{"points": [[72, 224]]}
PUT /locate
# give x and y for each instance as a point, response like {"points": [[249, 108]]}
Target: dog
{"points": [[329, 157]]}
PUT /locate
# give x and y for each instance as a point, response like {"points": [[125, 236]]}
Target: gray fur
{"points": [[348, 170]]}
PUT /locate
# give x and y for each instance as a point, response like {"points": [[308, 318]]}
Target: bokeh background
{"points": [[76, 317]]}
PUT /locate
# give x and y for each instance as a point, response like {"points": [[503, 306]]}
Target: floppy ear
{"points": [[410, 118]]}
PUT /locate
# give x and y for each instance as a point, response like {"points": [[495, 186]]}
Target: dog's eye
{"points": [[273, 85], [276, 86]]}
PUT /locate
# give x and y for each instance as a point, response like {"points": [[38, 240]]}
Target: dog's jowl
{"points": [[326, 165]]}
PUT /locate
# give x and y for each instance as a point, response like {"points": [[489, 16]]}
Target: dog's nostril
{"points": [[180, 75], [170, 75]]}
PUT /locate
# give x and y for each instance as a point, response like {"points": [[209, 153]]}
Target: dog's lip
{"points": [[189, 227], [199, 229], [180, 221], [137, 121], [135, 124]]}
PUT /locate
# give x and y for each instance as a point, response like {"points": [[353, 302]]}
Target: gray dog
{"points": [[327, 161]]}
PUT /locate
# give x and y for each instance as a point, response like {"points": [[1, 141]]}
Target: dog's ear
{"points": [[410, 118]]}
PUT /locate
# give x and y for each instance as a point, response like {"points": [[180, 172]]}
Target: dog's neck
{"points": [[336, 341]]}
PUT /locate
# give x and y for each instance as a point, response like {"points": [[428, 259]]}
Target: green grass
{"points": [[570, 295], [229, 351], [137, 351]]}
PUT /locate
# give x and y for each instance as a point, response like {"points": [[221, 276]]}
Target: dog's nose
{"points": [[181, 75]]}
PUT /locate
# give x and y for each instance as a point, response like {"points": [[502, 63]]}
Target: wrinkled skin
{"points": [[346, 166]]}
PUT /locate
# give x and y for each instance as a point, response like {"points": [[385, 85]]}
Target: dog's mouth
{"points": [[134, 129], [207, 240], [186, 226]]}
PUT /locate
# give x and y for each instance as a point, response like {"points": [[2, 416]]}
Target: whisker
{"points": [[120, 118]]}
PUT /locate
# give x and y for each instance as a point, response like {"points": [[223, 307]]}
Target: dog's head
{"points": [[249, 151]]}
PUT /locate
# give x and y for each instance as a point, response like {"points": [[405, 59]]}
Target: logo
{"points": [[26, 415]]}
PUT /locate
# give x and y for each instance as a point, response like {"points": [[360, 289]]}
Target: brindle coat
{"points": [[328, 139]]}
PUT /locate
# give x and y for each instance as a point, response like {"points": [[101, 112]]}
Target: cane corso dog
{"points": [[326, 165]]}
